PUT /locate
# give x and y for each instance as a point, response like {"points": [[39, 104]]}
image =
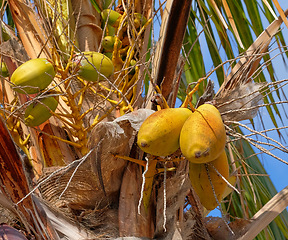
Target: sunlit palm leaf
{"points": [[258, 190], [227, 30]]}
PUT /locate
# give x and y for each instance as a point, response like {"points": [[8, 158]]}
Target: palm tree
{"points": [[80, 173]]}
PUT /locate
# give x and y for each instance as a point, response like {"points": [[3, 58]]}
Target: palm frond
{"points": [[256, 190], [85, 173]]}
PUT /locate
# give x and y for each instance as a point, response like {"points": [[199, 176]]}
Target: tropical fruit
{"points": [[108, 43], [108, 54], [203, 136], [133, 62], [139, 20], [39, 112], [202, 185], [4, 71], [112, 16], [132, 65], [33, 76], [159, 133], [93, 66]]}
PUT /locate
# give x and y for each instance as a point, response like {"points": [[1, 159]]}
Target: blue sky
{"points": [[277, 170]]}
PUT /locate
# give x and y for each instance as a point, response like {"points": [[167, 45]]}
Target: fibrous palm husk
{"points": [[219, 231], [93, 182], [15, 187], [174, 193], [238, 97], [174, 218], [134, 220], [241, 103], [65, 226]]}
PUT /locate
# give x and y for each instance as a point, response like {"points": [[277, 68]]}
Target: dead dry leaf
{"points": [[83, 184]]}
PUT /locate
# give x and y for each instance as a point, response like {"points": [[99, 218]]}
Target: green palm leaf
{"points": [[218, 32], [256, 190]]}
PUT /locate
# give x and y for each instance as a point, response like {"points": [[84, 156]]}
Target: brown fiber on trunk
{"points": [[15, 187]]}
